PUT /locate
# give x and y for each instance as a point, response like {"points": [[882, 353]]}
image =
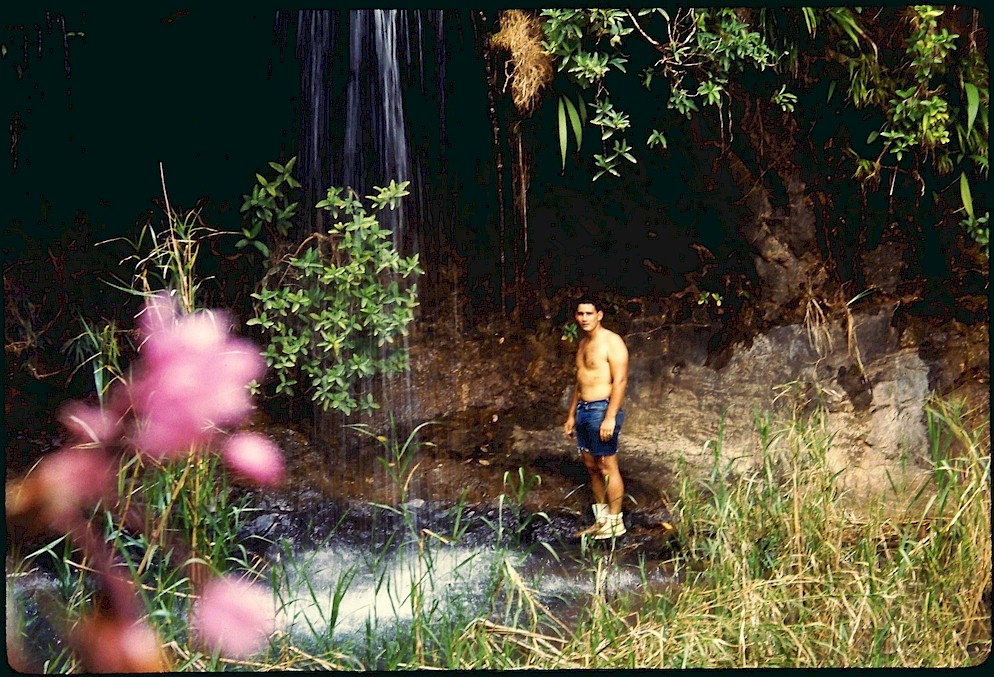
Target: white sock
{"points": [[600, 510]]}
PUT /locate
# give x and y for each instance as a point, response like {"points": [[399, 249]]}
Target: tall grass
{"points": [[774, 567], [776, 574]]}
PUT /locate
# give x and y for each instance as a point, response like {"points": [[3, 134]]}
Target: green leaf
{"points": [[562, 132], [972, 104], [964, 191], [574, 119], [261, 247]]}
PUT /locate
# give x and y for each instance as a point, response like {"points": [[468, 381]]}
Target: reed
{"points": [[774, 568], [776, 573]]}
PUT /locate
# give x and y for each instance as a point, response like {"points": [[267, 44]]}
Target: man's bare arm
{"points": [[617, 360], [571, 416]]}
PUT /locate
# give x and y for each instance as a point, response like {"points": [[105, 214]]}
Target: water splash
{"points": [[359, 84], [379, 593]]}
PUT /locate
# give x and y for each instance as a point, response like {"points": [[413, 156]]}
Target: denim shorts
{"points": [[589, 416]]}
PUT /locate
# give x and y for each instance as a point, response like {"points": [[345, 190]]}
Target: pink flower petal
{"points": [[192, 378], [90, 424], [254, 457], [170, 436], [72, 479], [159, 313], [114, 644], [233, 616]]}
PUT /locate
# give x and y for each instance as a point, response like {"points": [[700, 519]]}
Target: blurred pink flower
{"points": [[70, 480], [109, 643], [192, 378], [233, 616], [90, 424], [254, 457]]}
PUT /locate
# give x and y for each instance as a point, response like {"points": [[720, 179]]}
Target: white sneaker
{"points": [[614, 526], [597, 527], [600, 511]]}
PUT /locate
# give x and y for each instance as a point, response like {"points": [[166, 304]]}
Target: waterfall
{"points": [[315, 35], [363, 84]]}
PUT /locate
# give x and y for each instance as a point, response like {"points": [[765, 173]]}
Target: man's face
{"points": [[587, 317]]}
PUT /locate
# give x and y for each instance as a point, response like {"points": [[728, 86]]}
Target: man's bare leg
{"points": [[597, 487], [598, 491], [614, 486], [614, 490]]}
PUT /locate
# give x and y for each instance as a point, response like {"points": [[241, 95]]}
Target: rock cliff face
{"points": [[876, 413], [871, 375]]}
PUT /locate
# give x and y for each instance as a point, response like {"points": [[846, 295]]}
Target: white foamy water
{"points": [[379, 592]]}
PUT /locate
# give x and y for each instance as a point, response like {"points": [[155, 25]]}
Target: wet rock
{"points": [[853, 381], [554, 527], [36, 597], [869, 375]]}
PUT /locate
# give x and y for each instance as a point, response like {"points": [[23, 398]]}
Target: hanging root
{"points": [[817, 326], [530, 67]]}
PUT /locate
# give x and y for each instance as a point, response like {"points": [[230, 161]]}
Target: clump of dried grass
{"points": [[529, 68]]}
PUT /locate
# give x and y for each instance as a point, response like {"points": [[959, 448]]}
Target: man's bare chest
{"points": [[591, 356]]}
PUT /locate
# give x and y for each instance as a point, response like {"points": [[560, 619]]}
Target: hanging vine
{"points": [[528, 72]]}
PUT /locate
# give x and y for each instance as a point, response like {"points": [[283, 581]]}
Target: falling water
{"points": [[357, 127]]}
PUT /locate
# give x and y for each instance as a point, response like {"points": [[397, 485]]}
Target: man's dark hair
{"points": [[592, 299]]}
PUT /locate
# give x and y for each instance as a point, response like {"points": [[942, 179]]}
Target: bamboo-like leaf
{"points": [[582, 107], [562, 131], [831, 90], [964, 191], [972, 105], [574, 119], [847, 22]]}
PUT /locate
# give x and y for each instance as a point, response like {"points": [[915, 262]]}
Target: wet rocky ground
{"points": [[480, 494]]}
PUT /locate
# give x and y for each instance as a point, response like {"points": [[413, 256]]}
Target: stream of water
{"points": [[346, 592]]}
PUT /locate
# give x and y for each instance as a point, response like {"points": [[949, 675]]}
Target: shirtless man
{"points": [[596, 416]]}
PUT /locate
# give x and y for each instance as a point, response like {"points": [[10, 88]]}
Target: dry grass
{"points": [[529, 69], [777, 574]]}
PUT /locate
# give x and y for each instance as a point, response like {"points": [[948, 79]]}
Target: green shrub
{"points": [[331, 308]]}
